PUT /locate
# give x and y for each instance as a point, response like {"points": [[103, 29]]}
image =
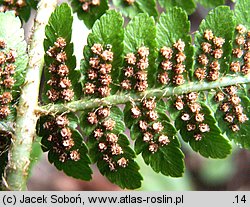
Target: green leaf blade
{"points": [[240, 137], [108, 161], [188, 5], [59, 154], [169, 159], [106, 31], [13, 36], [211, 3], [139, 6], [60, 25], [93, 12], [163, 157], [212, 143], [141, 31], [221, 23], [173, 26], [241, 13], [128, 177]]}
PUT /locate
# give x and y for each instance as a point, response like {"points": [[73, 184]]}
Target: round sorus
{"points": [[163, 140], [179, 45], [208, 35], [147, 137], [153, 147], [122, 162], [166, 52]]}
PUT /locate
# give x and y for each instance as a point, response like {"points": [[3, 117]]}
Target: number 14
{"points": [[240, 199]]}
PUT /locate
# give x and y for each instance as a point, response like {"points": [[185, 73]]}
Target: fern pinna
{"points": [[150, 77]]}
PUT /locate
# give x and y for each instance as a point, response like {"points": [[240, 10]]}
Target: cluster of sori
{"points": [[99, 78], [242, 48], [129, 2], [112, 152], [230, 104], [87, 4], [149, 125], [59, 82], [12, 5], [191, 114], [7, 70], [209, 59], [172, 66], [60, 136], [135, 72]]}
